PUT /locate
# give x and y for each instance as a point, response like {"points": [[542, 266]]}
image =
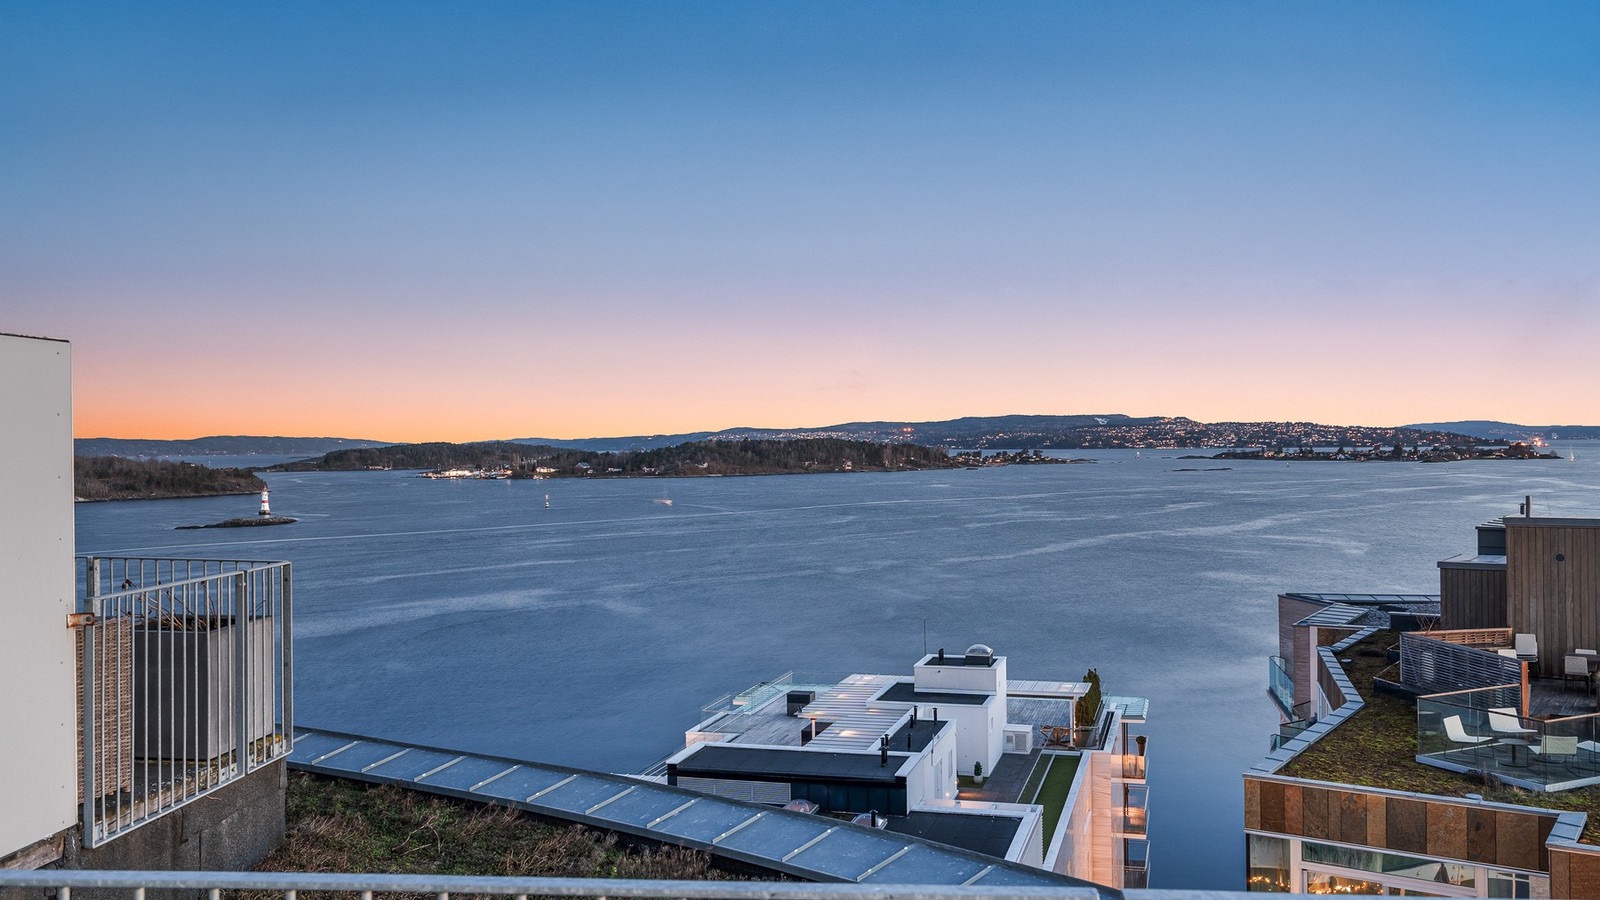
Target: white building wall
{"points": [[973, 741], [38, 673], [929, 676], [934, 776]]}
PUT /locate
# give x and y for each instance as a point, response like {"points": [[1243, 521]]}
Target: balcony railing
{"points": [[1481, 730], [1280, 684], [186, 676]]}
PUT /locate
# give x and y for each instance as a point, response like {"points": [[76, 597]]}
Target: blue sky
{"points": [[591, 218]]}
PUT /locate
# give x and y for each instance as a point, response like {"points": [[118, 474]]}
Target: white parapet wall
{"points": [[38, 721]]}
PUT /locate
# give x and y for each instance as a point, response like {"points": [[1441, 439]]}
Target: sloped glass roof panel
{"points": [[922, 865], [706, 819], [463, 775], [581, 793], [309, 746], [522, 784], [409, 766], [847, 853], [360, 756], [1001, 876], [643, 806], [776, 836]]}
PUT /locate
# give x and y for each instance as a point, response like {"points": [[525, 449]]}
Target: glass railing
{"points": [[1136, 863], [1482, 730], [1280, 684], [1132, 765]]}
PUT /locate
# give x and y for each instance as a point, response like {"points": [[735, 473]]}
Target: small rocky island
{"points": [[264, 517], [244, 522]]}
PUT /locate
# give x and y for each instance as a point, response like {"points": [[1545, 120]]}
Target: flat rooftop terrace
{"points": [[733, 761], [1377, 747]]}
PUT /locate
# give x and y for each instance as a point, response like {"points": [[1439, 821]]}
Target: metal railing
{"points": [[186, 676], [289, 884], [1482, 731]]}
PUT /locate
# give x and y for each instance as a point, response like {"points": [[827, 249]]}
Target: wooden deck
{"points": [[1553, 700]]}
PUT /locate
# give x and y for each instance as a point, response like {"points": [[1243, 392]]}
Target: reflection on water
{"points": [[467, 614]]}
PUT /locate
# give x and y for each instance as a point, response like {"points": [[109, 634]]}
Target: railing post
{"points": [[91, 593], [241, 673], [286, 642]]}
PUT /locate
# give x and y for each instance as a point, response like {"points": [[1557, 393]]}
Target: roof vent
{"points": [[980, 655]]}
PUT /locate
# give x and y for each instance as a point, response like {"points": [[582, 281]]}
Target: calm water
{"points": [[466, 614]]}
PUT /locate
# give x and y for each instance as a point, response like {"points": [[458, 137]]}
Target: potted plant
{"points": [[977, 772]]}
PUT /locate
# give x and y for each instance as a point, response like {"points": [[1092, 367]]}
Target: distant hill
{"points": [[971, 431], [1508, 431], [1028, 432], [220, 445]]}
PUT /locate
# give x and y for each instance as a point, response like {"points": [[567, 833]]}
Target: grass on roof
{"points": [[1377, 747], [338, 825], [1053, 791]]}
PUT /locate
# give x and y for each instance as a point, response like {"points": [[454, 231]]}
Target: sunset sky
{"points": [[458, 221]]}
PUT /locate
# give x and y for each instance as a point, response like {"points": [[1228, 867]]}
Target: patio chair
{"points": [[1504, 720], [1555, 746], [1507, 652], [1527, 647], [1575, 666], [1459, 735]]}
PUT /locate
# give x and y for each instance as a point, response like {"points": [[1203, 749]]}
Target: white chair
{"points": [[1504, 720], [1507, 652], [1459, 735], [1556, 746], [1574, 666], [1527, 646]]}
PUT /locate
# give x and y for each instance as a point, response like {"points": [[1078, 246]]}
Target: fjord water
{"points": [[467, 615]]}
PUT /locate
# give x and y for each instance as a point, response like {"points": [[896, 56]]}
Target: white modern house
{"points": [[901, 751]]}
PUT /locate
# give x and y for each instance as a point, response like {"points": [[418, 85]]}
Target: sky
{"points": [[463, 221]]}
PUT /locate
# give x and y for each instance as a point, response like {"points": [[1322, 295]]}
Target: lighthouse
{"points": [[265, 509]]}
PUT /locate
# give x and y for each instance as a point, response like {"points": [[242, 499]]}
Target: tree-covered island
{"points": [[115, 478], [507, 459]]}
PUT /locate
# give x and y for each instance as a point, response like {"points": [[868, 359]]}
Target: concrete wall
{"points": [[38, 669]]}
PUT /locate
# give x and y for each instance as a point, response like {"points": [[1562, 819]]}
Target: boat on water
{"points": [[664, 501]]}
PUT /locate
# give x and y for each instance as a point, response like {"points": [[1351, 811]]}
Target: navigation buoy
{"points": [[265, 509], [546, 501]]}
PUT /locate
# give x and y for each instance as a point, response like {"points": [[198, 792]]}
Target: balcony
{"points": [[185, 676]]}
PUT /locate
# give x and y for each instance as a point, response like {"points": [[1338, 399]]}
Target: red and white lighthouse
{"points": [[265, 509]]}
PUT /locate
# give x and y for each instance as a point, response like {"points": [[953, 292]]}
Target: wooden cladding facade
{"points": [[1472, 596], [1419, 826], [1553, 585], [1575, 872]]}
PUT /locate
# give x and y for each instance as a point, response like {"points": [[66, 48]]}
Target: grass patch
{"points": [[1040, 766], [1053, 791], [338, 825]]}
